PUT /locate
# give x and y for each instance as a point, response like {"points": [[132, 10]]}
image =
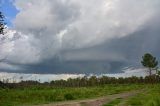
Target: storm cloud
{"points": [[68, 36]]}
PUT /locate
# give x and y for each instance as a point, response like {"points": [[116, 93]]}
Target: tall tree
{"points": [[150, 62], [2, 28], [2, 23]]}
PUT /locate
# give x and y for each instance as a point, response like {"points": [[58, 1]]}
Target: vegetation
{"points": [[34, 92], [47, 94], [84, 82], [97, 81], [150, 97], [39, 94], [150, 62]]}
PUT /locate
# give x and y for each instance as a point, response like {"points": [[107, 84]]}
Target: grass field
{"points": [[150, 97], [41, 95]]}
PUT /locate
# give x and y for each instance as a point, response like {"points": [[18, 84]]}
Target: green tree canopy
{"points": [[150, 62]]}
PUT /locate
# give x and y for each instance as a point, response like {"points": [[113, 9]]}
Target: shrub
{"points": [[68, 96]]}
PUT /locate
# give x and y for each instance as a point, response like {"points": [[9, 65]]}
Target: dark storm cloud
{"points": [[109, 57], [79, 38]]}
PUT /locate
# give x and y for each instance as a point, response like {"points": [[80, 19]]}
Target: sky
{"points": [[78, 36], [9, 10]]}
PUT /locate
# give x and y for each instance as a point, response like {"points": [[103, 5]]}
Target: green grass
{"points": [[150, 97], [36, 95], [114, 102]]}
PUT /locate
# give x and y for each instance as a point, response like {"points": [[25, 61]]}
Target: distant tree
{"points": [[2, 23], [150, 62]]}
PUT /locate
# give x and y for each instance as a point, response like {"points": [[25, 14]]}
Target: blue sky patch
{"points": [[9, 10]]}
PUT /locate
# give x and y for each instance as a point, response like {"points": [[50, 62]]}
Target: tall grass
{"points": [[155, 101], [150, 97]]}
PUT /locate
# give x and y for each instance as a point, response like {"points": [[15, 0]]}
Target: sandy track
{"points": [[96, 102]]}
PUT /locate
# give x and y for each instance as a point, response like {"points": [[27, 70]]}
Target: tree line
{"points": [[96, 81], [86, 81]]}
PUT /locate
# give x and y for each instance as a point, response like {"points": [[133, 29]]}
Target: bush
{"points": [[68, 96]]}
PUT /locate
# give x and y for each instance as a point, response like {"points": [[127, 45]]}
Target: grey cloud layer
{"points": [[81, 36]]}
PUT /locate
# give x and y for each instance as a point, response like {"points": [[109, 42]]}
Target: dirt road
{"points": [[96, 102]]}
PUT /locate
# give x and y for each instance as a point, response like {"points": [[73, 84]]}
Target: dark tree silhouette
{"points": [[2, 28], [2, 23], [150, 62]]}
